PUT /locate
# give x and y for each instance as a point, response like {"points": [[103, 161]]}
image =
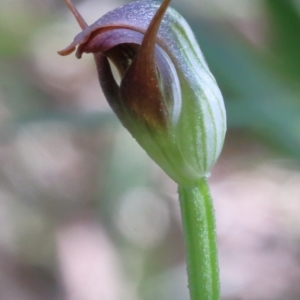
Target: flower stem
{"points": [[200, 241]]}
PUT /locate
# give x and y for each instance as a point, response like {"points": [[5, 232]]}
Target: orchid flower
{"points": [[170, 102]]}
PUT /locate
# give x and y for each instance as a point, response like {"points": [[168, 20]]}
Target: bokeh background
{"points": [[86, 215]]}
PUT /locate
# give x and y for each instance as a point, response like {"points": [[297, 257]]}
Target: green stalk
{"points": [[200, 241]]}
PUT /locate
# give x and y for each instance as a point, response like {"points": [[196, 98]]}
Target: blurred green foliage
{"points": [[259, 98]]}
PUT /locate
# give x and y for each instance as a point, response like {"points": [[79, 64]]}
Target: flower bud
{"points": [[167, 98]]}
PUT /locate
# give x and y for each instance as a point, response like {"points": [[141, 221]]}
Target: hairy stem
{"points": [[200, 241]]}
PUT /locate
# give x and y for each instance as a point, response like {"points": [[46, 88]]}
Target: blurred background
{"points": [[86, 215]]}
